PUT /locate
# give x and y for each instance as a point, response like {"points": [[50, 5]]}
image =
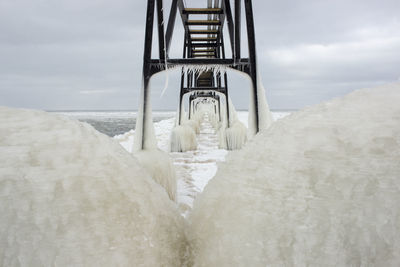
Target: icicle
{"points": [[166, 65], [198, 69], [166, 82]]}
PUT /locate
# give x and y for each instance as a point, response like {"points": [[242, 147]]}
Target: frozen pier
{"points": [[203, 65]]}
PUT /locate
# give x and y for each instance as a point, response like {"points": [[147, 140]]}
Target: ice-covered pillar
{"points": [[219, 110], [181, 108], [144, 133], [227, 100], [255, 123]]}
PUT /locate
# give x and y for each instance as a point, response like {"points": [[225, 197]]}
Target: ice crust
{"points": [[70, 196], [320, 187]]}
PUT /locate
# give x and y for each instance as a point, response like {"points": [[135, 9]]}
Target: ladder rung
{"points": [[204, 44], [203, 32], [204, 39], [203, 50], [203, 22], [202, 11], [205, 88], [204, 55]]}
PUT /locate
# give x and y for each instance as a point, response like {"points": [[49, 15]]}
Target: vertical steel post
{"points": [[225, 82], [219, 109], [190, 107], [227, 99], [182, 82], [252, 58], [171, 24], [237, 29], [160, 18], [146, 65]]}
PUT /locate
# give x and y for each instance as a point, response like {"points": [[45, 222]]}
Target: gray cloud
{"points": [[71, 54]]}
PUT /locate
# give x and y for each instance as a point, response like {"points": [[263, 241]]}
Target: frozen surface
{"points": [[70, 196], [160, 167], [320, 187], [193, 168]]}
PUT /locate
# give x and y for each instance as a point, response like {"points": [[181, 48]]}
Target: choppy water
{"points": [[113, 123]]}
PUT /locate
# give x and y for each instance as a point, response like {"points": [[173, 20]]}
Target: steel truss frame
{"points": [[191, 53]]}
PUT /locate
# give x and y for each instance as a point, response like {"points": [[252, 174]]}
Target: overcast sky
{"points": [[84, 54]]}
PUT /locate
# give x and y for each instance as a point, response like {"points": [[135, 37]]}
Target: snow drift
{"points": [[320, 187], [160, 167], [70, 196]]}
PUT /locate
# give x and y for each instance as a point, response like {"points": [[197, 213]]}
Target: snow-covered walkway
{"points": [[195, 168]]}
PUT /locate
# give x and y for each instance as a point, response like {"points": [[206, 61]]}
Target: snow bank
{"points": [[320, 187], [160, 167], [70, 196], [155, 161]]}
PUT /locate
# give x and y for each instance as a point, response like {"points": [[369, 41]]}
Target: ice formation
{"points": [[235, 136], [149, 140], [194, 124], [320, 187], [183, 138], [265, 116], [217, 69], [70, 196]]}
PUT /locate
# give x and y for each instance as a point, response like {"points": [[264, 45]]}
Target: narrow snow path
{"points": [[195, 168]]}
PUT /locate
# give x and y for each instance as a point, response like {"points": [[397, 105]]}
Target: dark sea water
{"points": [[113, 123]]}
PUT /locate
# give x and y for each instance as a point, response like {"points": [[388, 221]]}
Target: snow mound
{"points": [[320, 187], [70, 196], [160, 167]]}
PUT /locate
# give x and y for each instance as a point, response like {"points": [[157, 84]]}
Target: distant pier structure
{"points": [[203, 48]]}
